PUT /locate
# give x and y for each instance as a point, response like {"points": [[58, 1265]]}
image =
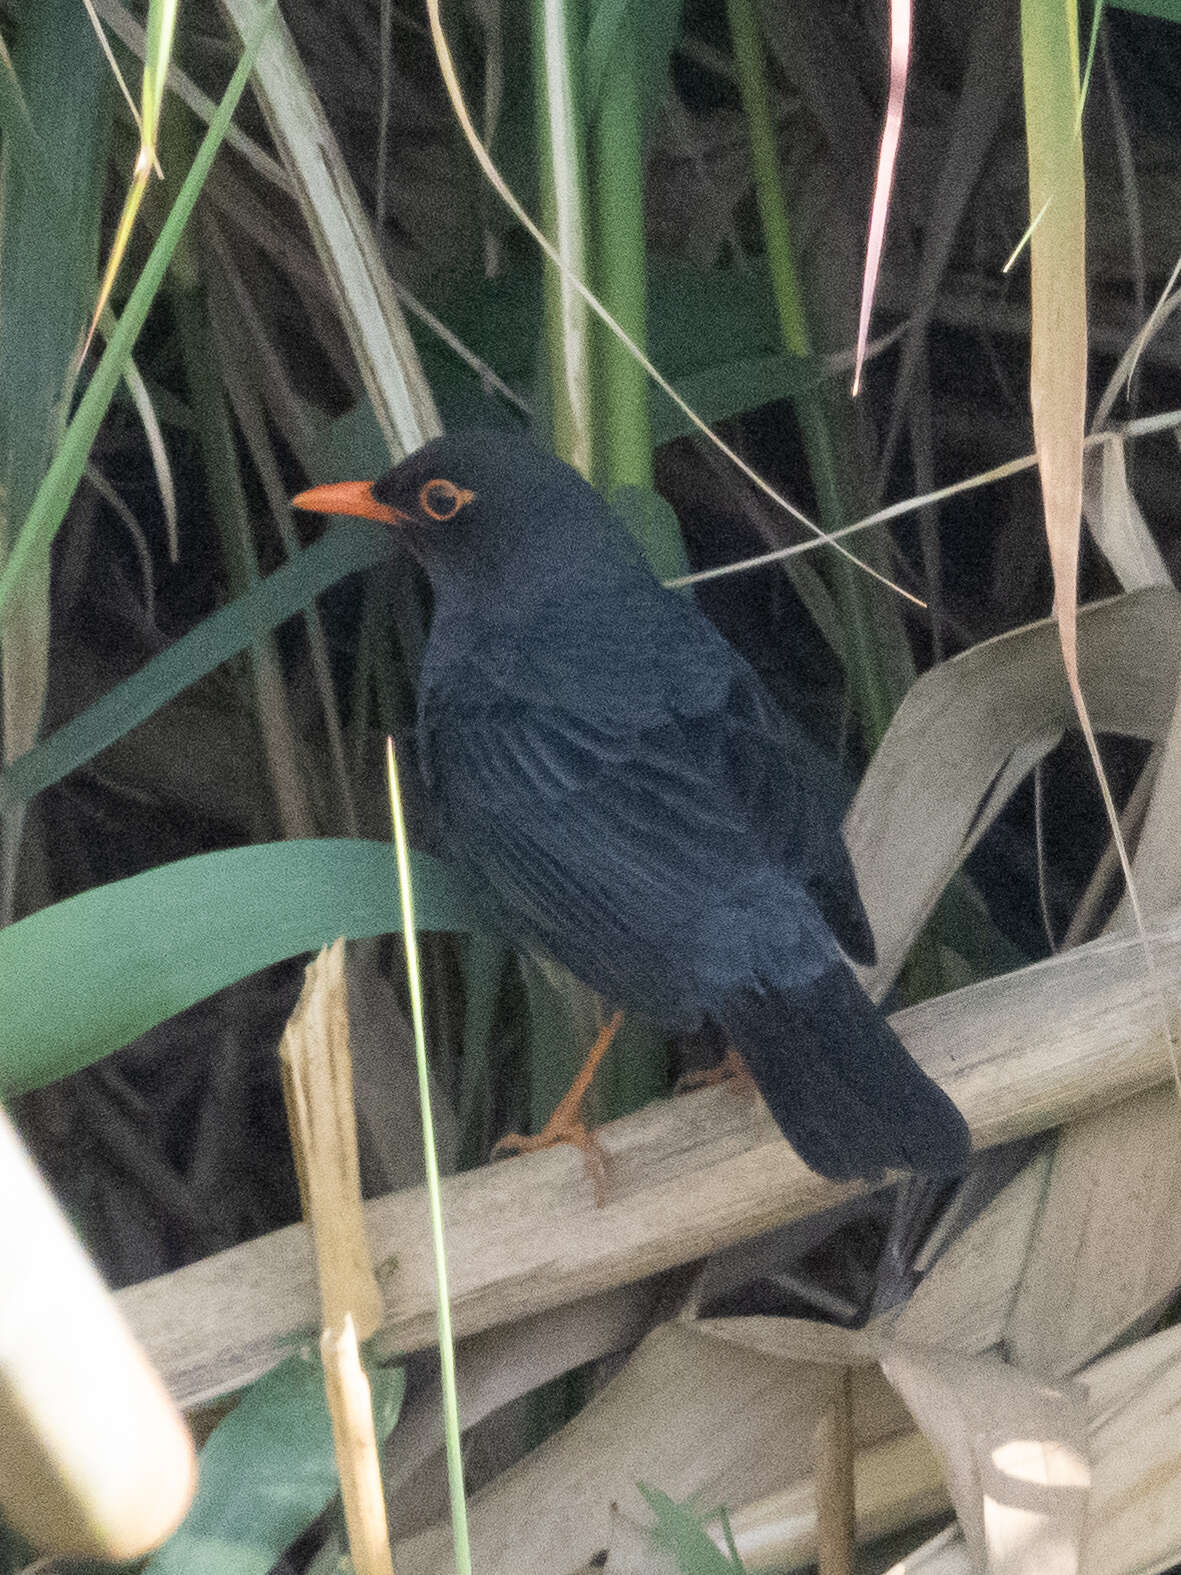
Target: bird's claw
{"points": [[574, 1131]]}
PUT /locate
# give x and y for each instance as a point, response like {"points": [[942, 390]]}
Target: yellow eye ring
{"points": [[441, 499]]}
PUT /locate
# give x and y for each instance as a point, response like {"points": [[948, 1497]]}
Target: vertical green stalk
{"points": [[617, 144], [559, 1007], [563, 217], [876, 656], [781, 257], [625, 428], [600, 424]]}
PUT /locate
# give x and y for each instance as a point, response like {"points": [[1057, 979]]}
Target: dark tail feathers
{"points": [[844, 1092]]}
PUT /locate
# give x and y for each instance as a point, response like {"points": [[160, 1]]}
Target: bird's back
{"points": [[615, 741]]}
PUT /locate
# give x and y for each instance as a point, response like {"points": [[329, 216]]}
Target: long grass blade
{"points": [[54, 494], [463, 1556]]}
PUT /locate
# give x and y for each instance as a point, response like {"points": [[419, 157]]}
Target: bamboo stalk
{"points": [[351, 1405], [834, 1479], [898, 1482], [686, 1176], [94, 1460], [318, 1091]]}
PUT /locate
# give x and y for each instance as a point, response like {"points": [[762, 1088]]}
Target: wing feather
{"points": [[608, 795], [603, 855]]}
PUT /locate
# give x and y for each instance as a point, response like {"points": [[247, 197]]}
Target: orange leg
{"points": [[566, 1125]]}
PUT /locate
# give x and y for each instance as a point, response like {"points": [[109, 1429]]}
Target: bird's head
{"points": [[479, 509]]}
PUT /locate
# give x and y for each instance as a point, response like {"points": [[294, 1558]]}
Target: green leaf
{"points": [[82, 978], [21, 137], [49, 236], [343, 550], [54, 493], [1167, 10], [267, 1471], [679, 1531], [656, 27], [157, 54], [713, 334], [654, 524]]}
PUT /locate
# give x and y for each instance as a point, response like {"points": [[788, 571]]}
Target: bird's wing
{"points": [[602, 844], [779, 776], [670, 660], [628, 714]]}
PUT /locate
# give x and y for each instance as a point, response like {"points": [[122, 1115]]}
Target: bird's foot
{"points": [[567, 1125], [730, 1069], [567, 1130]]}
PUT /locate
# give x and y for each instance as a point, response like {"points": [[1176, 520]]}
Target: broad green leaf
{"points": [[20, 135], [267, 1471], [82, 978], [651, 520], [680, 1532], [49, 238], [713, 334]]}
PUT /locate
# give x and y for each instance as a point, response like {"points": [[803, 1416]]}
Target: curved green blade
{"points": [[342, 551], [82, 978]]}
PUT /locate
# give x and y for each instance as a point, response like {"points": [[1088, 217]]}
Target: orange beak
{"points": [[349, 497]]}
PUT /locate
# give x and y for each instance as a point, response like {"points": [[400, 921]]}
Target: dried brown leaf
{"points": [[1013, 1451], [919, 808], [1107, 1248], [965, 1302], [1133, 1522], [681, 1389]]}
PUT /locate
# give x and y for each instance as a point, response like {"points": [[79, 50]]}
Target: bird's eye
{"points": [[442, 499]]}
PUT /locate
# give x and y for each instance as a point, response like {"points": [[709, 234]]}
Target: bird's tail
{"points": [[844, 1092]]}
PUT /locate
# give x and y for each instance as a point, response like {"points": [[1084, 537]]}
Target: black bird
{"points": [[617, 780]]}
